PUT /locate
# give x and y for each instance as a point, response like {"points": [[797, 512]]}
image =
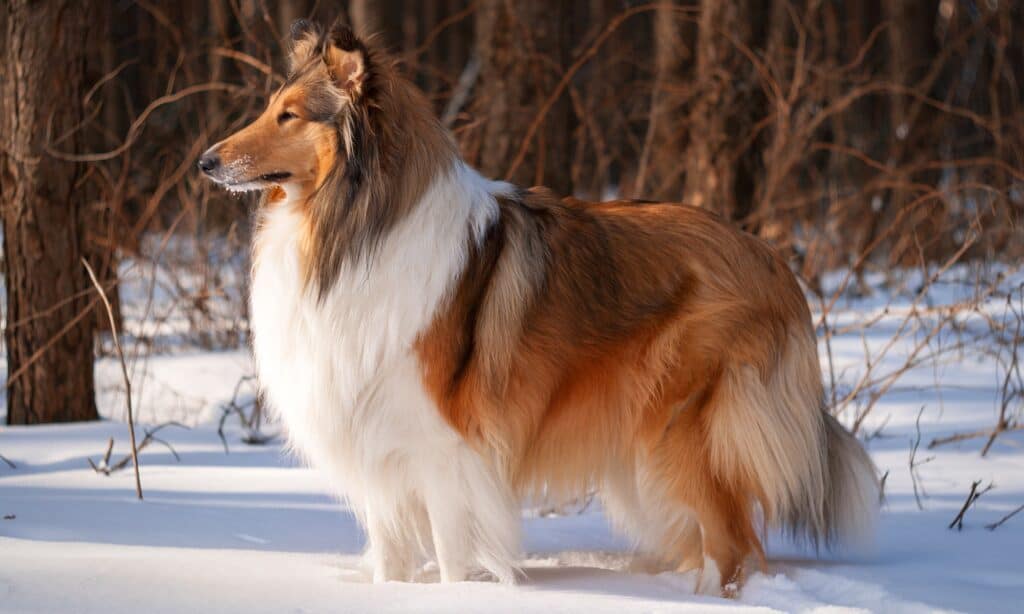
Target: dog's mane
{"points": [[390, 148]]}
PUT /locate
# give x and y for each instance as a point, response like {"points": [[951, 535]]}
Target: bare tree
{"points": [[524, 47], [661, 169], [720, 160], [49, 332]]}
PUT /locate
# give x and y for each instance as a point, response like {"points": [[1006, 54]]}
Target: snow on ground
{"points": [[251, 531]]}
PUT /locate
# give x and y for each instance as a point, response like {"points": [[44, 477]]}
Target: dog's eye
{"points": [[285, 116]]}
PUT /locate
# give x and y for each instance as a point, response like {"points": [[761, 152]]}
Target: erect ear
{"points": [[346, 59], [305, 37]]}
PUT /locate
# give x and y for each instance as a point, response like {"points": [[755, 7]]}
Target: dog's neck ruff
{"points": [[318, 357]]}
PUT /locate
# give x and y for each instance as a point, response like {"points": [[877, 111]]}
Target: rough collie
{"points": [[443, 346]]}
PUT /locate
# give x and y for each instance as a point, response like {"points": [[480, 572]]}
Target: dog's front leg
{"points": [[450, 532], [388, 553], [474, 521]]}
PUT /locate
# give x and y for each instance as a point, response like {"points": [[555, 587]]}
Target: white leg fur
{"points": [[709, 580], [473, 517], [451, 541], [390, 556]]}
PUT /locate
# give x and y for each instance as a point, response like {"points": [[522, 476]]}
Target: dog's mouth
{"points": [[255, 184], [275, 177]]}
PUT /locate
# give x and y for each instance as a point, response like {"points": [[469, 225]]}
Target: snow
{"points": [[252, 531]]}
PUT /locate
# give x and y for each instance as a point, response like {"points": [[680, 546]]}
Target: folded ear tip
{"points": [[344, 38], [301, 27]]}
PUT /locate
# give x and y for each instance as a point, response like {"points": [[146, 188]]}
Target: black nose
{"points": [[209, 162]]}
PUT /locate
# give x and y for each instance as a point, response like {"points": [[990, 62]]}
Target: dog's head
{"points": [[295, 142]]}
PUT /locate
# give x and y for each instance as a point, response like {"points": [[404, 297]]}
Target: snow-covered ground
{"points": [[251, 531]]}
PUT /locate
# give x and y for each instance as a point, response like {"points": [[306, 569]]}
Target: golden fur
{"points": [[588, 337]]}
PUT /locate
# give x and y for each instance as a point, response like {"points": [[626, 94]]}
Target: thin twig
{"points": [[250, 423], [939, 441], [974, 495], [136, 128], [997, 524], [8, 462], [106, 468], [124, 373], [914, 463], [581, 61]]}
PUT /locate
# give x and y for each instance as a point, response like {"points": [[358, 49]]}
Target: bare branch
{"points": [[124, 372]]}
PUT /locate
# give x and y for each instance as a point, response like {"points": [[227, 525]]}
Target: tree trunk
{"points": [[380, 18], [49, 332], [719, 176], [104, 227], [661, 171], [912, 49], [524, 49]]}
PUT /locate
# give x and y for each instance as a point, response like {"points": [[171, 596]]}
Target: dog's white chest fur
{"points": [[341, 371]]}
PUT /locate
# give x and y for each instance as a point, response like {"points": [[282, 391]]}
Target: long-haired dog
{"points": [[442, 346]]}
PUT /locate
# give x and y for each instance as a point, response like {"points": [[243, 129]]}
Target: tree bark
{"points": [[718, 175], [104, 216], [49, 331], [524, 47], [661, 170], [912, 49], [382, 19]]}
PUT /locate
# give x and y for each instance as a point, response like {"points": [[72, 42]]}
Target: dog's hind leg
{"points": [[665, 536], [682, 475]]}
